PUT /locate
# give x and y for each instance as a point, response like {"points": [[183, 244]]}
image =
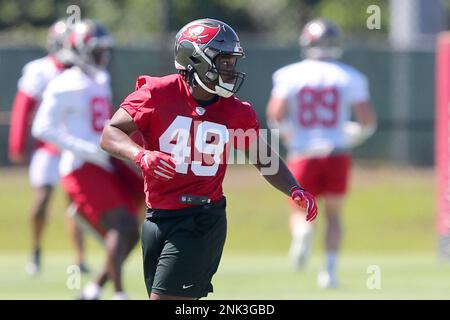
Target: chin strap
{"points": [[222, 92], [204, 86], [223, 89]]}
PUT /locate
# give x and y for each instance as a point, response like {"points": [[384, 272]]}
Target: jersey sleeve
{"points": [[247, 127], [280, 88], [359, 88], [32, 82], [22, 110], [48, 126], [138, 104]]}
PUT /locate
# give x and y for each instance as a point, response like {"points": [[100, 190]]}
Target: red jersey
{"points": [[198, 138]]}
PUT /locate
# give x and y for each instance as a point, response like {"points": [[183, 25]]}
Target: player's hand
{"points": [[156, 164], [355, 133], [306, 201]]}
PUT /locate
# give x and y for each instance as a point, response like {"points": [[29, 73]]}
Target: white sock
{"points": [[302, 230], [331, 262], [301, 244], [91, 291]]}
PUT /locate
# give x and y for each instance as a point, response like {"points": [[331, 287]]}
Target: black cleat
{"points": [[83, 268]]}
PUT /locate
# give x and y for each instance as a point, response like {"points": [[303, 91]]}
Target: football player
{"points": [[312, 102], [74, 109], [43, 170], [189, 121]]}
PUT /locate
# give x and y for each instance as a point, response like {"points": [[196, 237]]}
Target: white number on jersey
{"points": [[209, 144]]}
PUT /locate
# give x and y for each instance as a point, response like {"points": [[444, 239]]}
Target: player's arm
{"points": [[277, 114], [366, 122], [29, 86], [22, 109], [116, 141], [365, 125], [47, 126], [365, 114], [277, 106], [116, 136], [276, 109], [283, 180]]}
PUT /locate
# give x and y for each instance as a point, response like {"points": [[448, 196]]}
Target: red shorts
{"points": [[322, 175], [96, 191]]}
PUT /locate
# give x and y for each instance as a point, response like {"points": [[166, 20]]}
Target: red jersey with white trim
{"points": [[36, 75], [198, 138]]}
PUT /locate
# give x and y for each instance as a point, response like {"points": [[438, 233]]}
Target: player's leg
{"points": [[307, 173], [302, 233], [120, 238], [117, 230], [130, 185], [43, 174], [152, 241], [188, 254], [328, 277], [337, 176], [77, 237], [78, 241], [109, 211], [157, 296], [92, 290], [38, 221]]}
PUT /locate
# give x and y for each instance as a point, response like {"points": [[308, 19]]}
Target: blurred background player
{"points": [[75, 107], [43, 170], [312, 103]]}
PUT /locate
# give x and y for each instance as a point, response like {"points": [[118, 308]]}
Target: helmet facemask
{"points": [[222, 73]]}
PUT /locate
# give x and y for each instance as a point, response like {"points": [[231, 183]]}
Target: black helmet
{"points": [[198, 46], [321, 39]]}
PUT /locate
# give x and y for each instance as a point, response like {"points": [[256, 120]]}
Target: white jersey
{"points": [[37, 74], [73, 112], [320, 95]]}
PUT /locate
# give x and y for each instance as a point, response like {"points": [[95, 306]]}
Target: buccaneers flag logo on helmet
{"points": [[200, 34]]}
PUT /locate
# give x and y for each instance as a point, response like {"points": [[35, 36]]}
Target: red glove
{"points": [[156, 164], [306, 201]]}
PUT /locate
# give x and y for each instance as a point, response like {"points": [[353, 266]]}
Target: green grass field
{"points": [[389, 223]]}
